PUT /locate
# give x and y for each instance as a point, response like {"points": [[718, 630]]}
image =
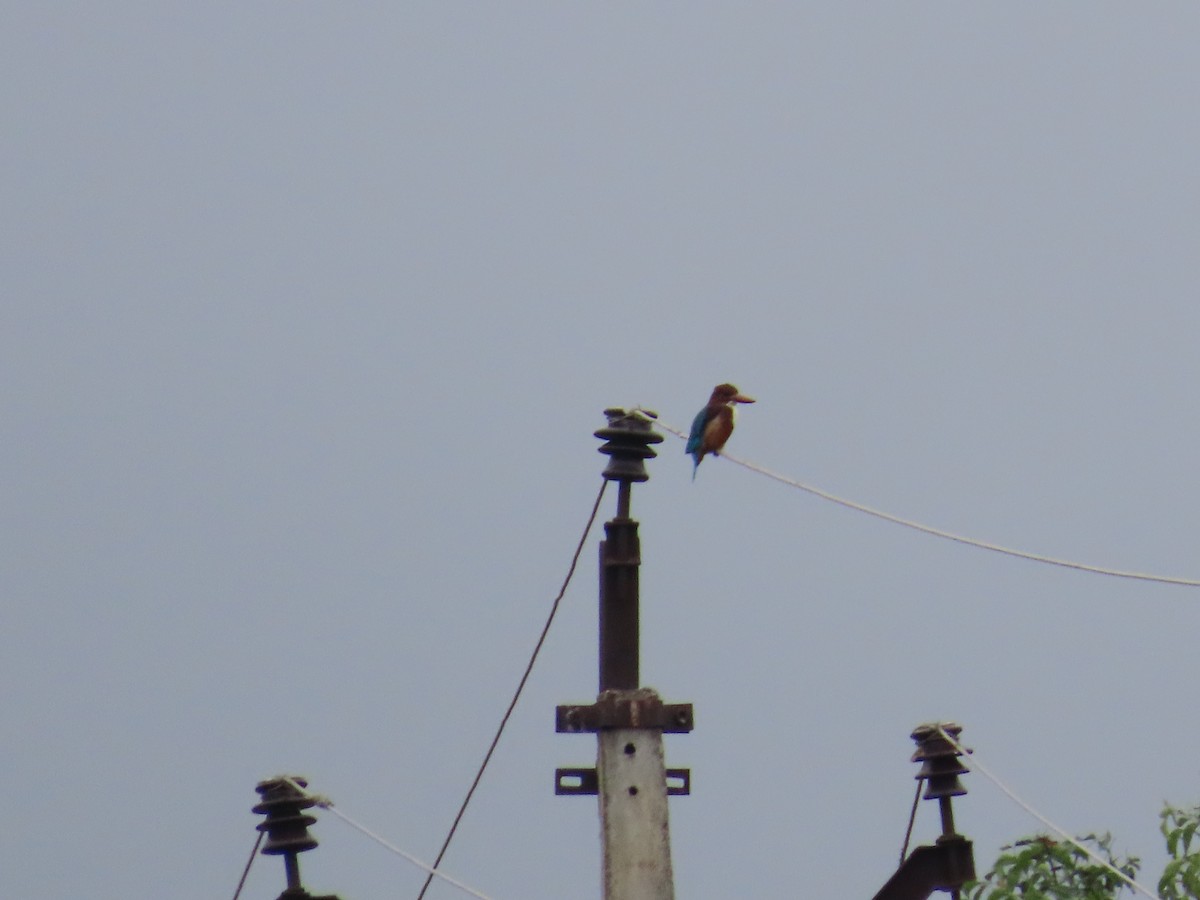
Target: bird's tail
{"points": [[695, 465]]}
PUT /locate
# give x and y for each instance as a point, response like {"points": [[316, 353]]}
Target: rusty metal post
{"points": [[620, 637], [627, 443]]}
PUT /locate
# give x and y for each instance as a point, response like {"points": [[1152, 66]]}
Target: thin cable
{"points": [[937, 532], [249, 863], [969, 760], [412, 859], [326, 803], [912, 818], [487, 757]]}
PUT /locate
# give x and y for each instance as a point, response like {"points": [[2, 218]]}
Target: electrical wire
{"points": [[325, 803], [487, 757], [912, 818], [433, 872], [971, 762], [969, 759], [246, 871], [928, 529]]}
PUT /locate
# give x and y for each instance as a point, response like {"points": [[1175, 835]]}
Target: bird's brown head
{"points": [[727, 393]]}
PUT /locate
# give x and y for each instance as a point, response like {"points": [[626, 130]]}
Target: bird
{"points": [[714, 424]]}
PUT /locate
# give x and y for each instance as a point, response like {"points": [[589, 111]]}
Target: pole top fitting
{"points": [[286, 825], [940, 766], [628, 438]]}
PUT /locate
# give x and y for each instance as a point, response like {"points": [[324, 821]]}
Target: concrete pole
{"points": [[633, 812]]}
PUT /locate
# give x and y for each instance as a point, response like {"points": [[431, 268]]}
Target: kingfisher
{"points": [[714, 424]]}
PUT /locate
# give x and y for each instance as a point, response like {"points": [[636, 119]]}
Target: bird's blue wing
{"points": [[697, 435]]}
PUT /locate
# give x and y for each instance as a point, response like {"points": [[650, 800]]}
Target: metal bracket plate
{"points": [[679, 782], [577, 782], [624, 712]]}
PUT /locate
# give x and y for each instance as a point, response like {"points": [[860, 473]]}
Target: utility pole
{"points": [[630, 778], [950, 862]]}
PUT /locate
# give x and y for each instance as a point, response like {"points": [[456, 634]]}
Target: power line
{"points": [[432, 870], [969, 759], [487, 757], [912, 818], [937, 532], [327, 804], [246, 871]]}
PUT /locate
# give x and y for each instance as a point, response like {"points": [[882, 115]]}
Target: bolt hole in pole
{"points": [[633, 791], [630, 749]]}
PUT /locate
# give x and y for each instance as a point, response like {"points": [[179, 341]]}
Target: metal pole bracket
{"points": [[617, 709], [581, 782]]}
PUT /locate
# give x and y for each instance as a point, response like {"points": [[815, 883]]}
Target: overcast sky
{"points": [[310, 310]]}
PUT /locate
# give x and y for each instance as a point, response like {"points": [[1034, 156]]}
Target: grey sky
{"points": [[310, 311]]}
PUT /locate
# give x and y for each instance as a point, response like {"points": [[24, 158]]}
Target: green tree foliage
{"points": [[1181, 877], [1043, 868]]}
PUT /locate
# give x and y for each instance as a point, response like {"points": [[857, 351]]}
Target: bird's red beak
{"points": [[742, 398]]}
